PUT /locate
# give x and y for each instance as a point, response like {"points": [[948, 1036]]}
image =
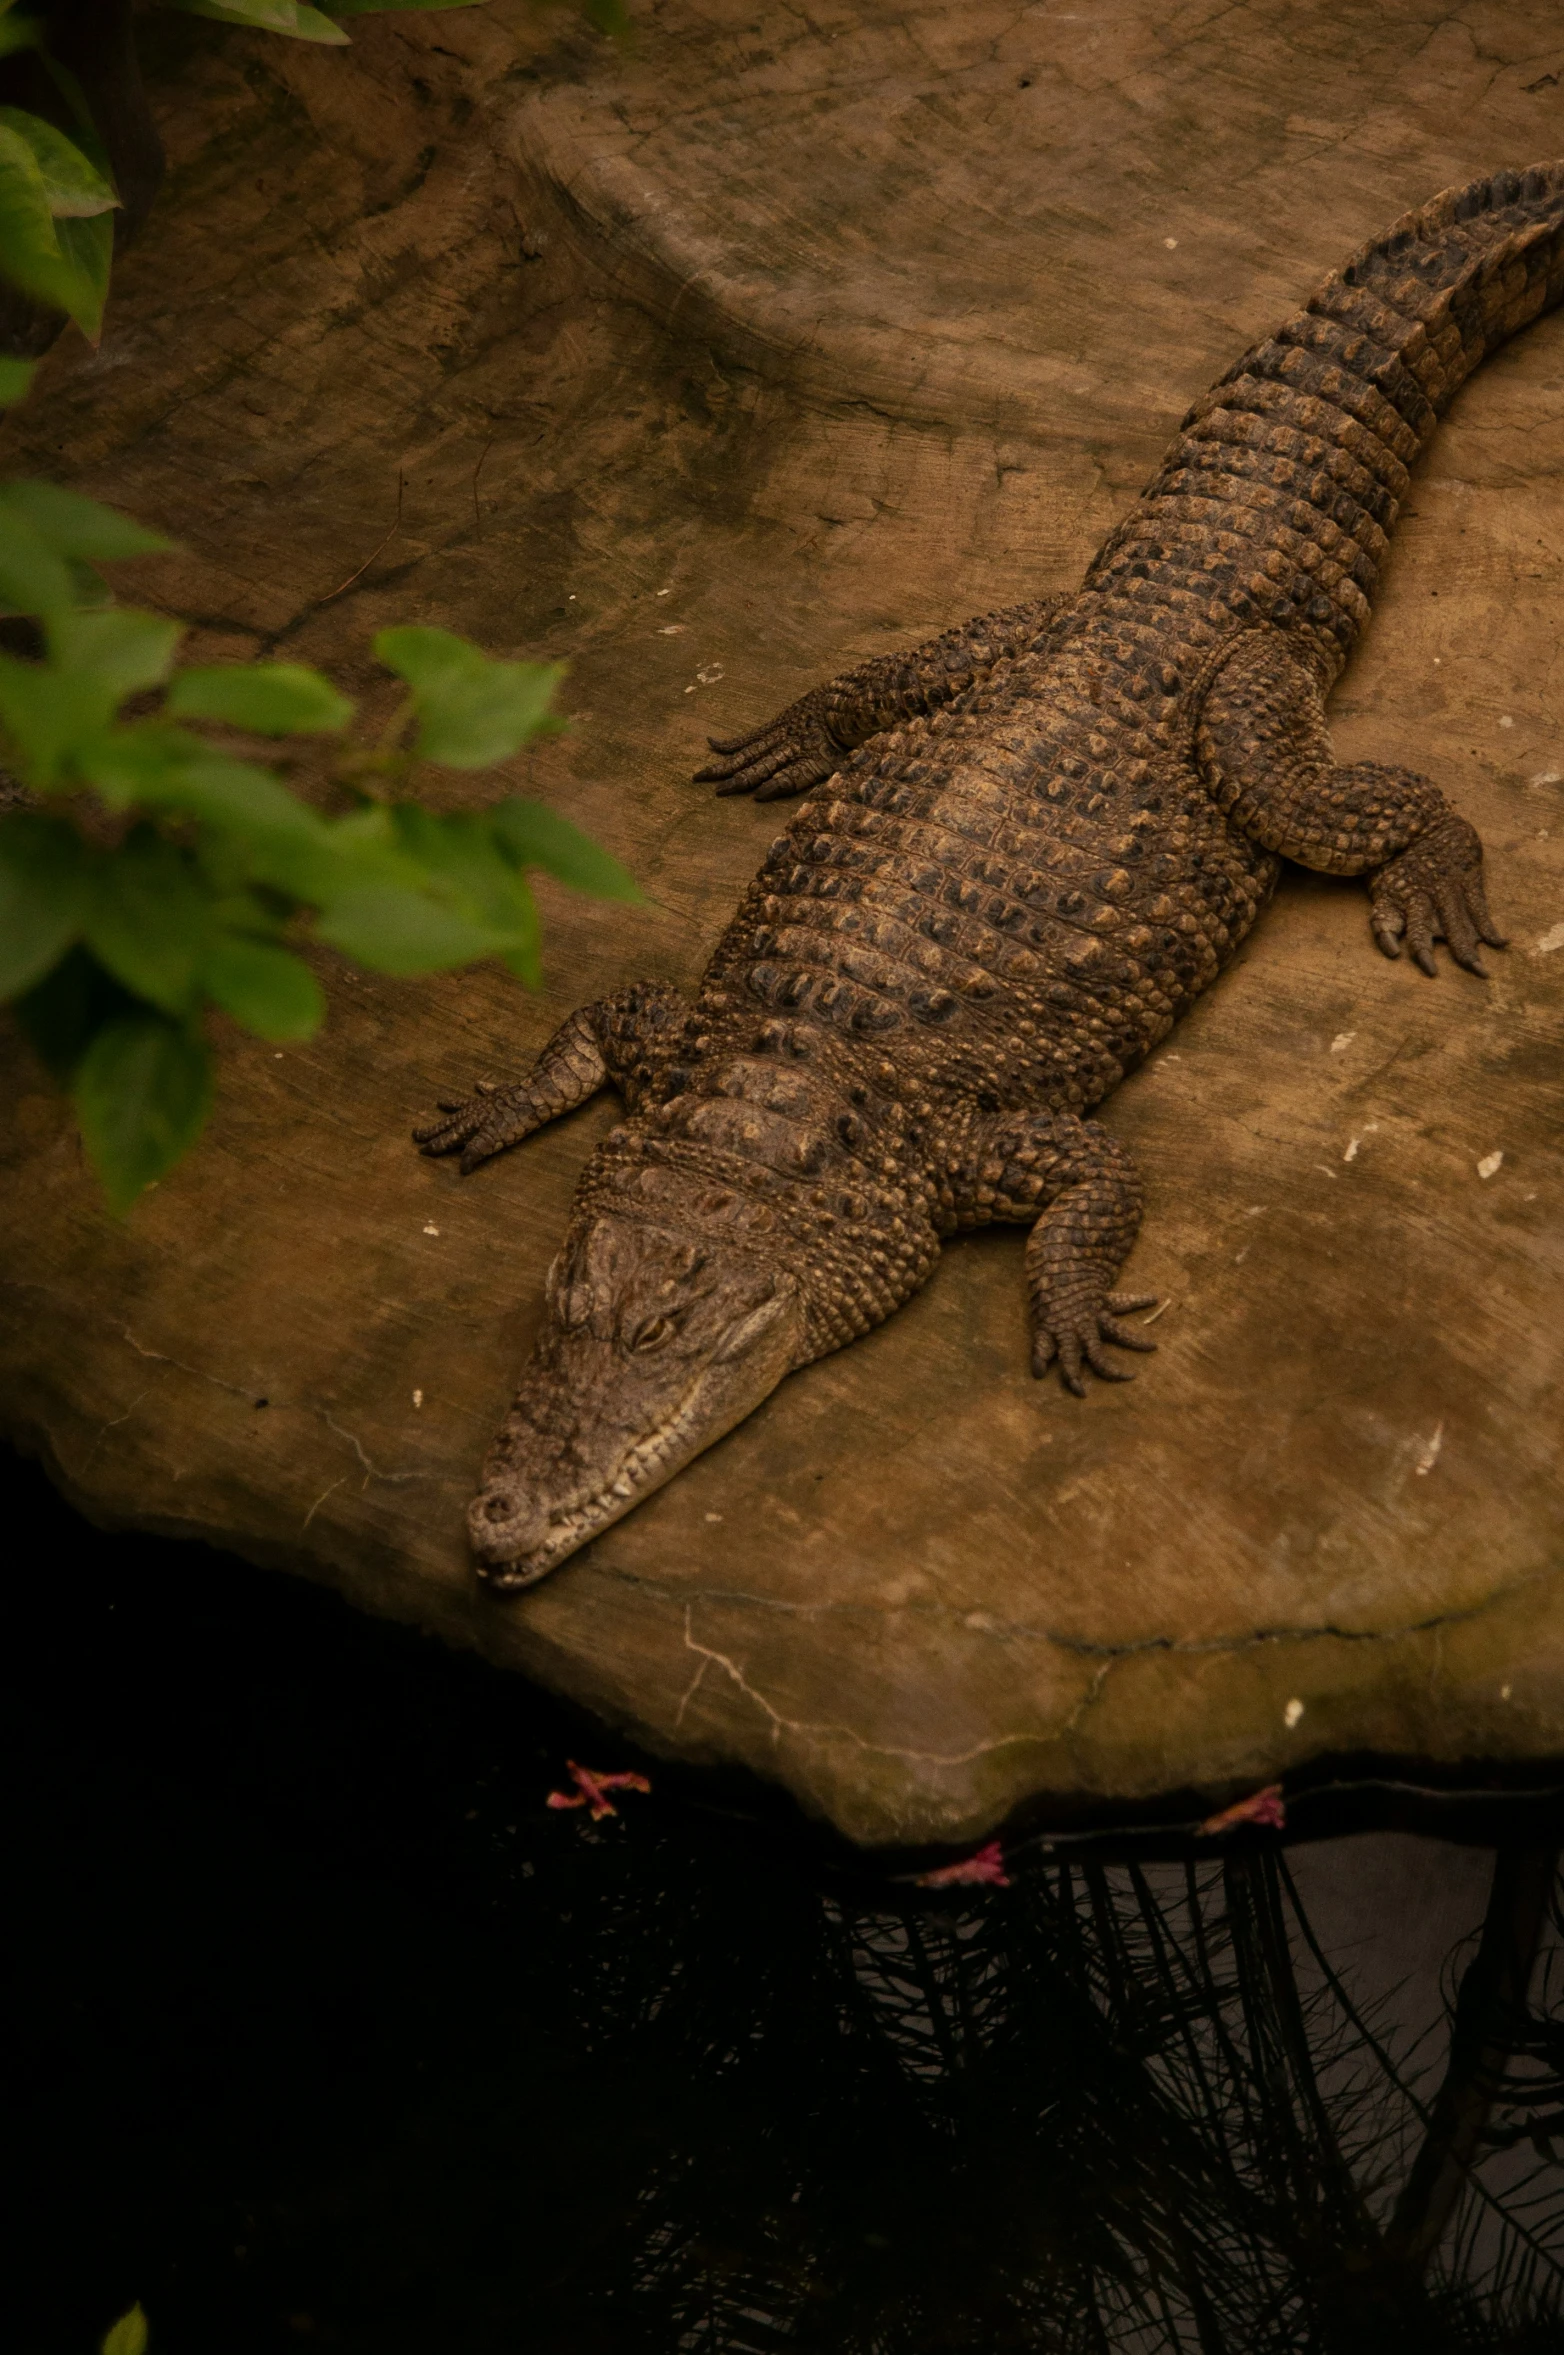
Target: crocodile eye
{"points": [[652, 1334]]}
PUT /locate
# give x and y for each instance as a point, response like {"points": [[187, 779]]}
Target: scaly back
{"points": [[1276, 501]]}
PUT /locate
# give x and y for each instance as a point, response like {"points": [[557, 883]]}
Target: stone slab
{"points": [[712, 366]]}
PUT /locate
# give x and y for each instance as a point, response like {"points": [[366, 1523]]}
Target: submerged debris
{"points": [[1266, 1807], [985, 1864], [592, 1790]]}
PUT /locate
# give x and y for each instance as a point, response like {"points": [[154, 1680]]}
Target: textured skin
{"points": [[1056, 828], [804, 745]]}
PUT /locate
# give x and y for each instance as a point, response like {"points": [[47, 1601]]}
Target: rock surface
{"points": [[714, 365]]}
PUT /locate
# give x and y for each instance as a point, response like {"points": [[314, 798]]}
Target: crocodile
{"points": [[1024, 849]]}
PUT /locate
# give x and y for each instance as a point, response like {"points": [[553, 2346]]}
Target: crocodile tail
{"points": [[1414, 312], [1286, 478]]}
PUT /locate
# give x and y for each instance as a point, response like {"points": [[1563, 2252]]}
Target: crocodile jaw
{"points": [[531, 1537], [601, 1420]]}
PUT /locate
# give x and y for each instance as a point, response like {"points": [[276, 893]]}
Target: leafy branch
{"points": [[57, 194], [174, 879]]}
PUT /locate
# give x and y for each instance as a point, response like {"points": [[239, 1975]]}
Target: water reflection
{"points": [[337, 2036]]}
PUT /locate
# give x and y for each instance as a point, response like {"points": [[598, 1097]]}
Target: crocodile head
{"points": [[654, 1345]]}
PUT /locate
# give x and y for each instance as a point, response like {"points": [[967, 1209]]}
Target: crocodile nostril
{"points": [[496, 1509]]}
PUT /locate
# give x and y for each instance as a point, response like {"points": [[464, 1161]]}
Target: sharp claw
{"points": [[751, 773], [1482, 919], [1389, 926], [1435, 892], [1421, 917], [1455, 923], [1114, 1332]]}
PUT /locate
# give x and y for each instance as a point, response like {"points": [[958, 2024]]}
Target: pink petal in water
{"points": [[1262, 1807], [592, 1790], [985, 1864]]}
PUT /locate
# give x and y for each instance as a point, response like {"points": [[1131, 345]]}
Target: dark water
{"points": [[325, 2031]]}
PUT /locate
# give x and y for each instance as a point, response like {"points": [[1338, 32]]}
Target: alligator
{"points": [[1025, 848]]}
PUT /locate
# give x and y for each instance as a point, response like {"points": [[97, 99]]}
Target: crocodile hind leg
{"points": [[1267, 757], [1080, 1187], [809, 741], [619, 1042]]}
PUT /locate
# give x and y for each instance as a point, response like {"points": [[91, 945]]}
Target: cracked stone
{"points": [[918, 1590]]}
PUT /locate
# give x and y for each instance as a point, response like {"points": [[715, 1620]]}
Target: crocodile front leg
{"points": [[619, 1042], [1080, 1186], [808, 741], [1266, 754]]}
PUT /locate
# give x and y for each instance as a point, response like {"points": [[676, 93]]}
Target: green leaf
{"points": [[270, 991], [463, 899], [88, 245], [142, 1094], [284, 842], [46, 713], [90, 592], [128, 2336], [62, 1014], [73, 186], [122, 649], [30, 254], [272, 698], [460, 852], [536, 837], [429, 660], [70, 525], [472, 712], [140, 761], [525, 958], [271, 16], [15, 377], [33, 578], [404, 931], [281, 841], [150, 920], [43, 896], [17, 32]]}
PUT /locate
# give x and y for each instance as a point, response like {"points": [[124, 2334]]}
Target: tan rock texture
{"points": [[715, 364]]}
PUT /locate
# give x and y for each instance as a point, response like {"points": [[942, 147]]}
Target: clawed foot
{"points": [[480, 1125], [788, 755], [1434, 891], [1075, 1332]]}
